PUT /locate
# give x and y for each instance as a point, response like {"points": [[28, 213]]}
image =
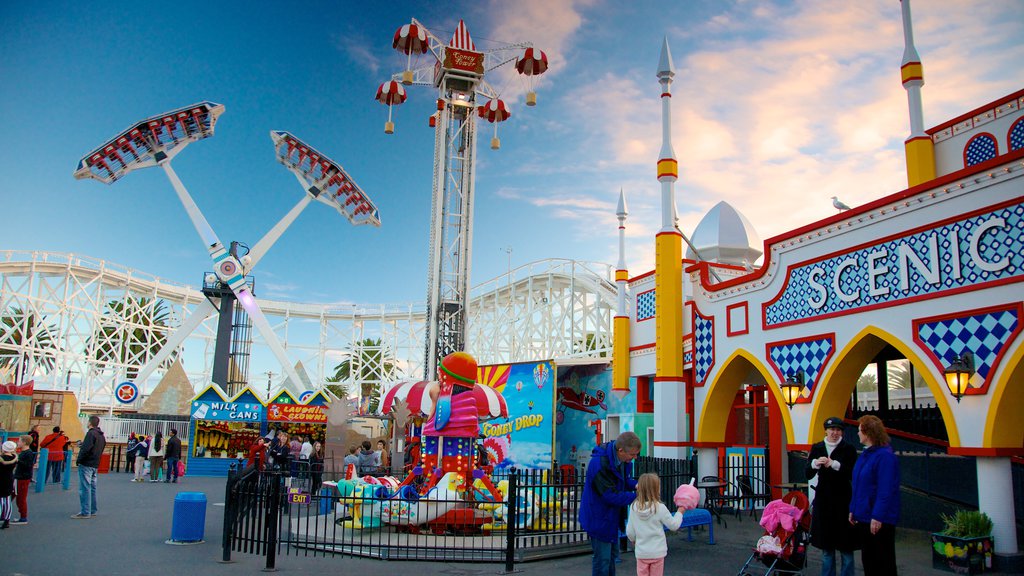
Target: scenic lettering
{"points": [[880, 276]]}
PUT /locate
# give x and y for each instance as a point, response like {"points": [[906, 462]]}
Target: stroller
{"points": [[783, 548]]}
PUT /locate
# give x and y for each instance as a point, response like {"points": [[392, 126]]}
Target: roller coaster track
{"points": [[547, 309]]}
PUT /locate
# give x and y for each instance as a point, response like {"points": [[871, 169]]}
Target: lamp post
{"points": [[270, 378], [958, 375], [793, 387]]}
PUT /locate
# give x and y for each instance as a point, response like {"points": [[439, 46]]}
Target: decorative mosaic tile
{"points": [[703, 346], [979, 149], [1017, 136], [983, 334], [807, 356], [953, 243], [645, 305]]}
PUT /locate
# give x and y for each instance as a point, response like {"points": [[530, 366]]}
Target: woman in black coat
{"points": [[832, 461]]}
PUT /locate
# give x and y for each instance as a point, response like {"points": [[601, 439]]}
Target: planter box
{"points": [[961, 555]]}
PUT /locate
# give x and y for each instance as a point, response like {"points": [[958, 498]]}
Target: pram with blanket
{"points": [[783, 548]]}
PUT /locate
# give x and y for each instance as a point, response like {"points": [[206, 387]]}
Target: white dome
{"points": [[725, 236]]}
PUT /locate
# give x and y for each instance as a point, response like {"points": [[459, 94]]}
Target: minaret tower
{"points": [[918, 146], [669, 393], [620, 326]]}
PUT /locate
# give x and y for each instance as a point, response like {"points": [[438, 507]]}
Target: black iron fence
{"points": [[273, 513]]}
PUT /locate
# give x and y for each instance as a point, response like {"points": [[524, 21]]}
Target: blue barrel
{"points": [[189, 521]]}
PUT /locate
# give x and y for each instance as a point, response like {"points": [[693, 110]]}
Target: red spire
{"points": [[461, 38]]}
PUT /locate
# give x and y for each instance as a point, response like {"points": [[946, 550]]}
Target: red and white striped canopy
{"points": [[461, 38], [489, 402], [495, 111], [390, 93], [532, 62], [411, 39]]}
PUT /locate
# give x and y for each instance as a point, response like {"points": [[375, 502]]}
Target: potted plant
{"points": [[965, 544]]}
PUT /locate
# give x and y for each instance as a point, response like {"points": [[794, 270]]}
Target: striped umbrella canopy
{"points": [[532, 62], [391, 93], [411, 39], [489, 402], [495, 111]]}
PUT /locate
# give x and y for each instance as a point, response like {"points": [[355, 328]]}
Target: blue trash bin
{"points": [[189, 522]]}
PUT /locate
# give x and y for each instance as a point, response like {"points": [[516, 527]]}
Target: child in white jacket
{"points": [[648, 519]]}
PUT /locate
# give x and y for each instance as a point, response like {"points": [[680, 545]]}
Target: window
{"points": [[981, 148], [42, 409], [1016, 135]]}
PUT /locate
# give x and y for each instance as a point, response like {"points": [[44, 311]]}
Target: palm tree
{"points": [[20, 330], [369, 368], [131, 332]]}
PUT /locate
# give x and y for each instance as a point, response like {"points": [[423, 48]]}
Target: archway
{"points": [[737, 370], [841, 379], [1004, 428]]}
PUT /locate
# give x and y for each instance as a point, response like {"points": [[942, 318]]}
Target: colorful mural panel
{"points": [[526, 439]]}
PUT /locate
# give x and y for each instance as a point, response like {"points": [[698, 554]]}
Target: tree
{"points": [[131, 332], [590, 343], [369, 367], [336, 387], [20, 330]]}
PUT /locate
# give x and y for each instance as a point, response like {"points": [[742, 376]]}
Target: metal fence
{"points": [[273, 513]]}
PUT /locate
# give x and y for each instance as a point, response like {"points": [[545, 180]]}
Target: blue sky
{"points": [[778, 106]]}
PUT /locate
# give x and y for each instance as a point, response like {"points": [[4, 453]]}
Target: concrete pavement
{"points": [[127, 537]]}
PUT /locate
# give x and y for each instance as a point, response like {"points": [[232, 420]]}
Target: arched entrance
{"points": [[840, 379], [1004, 427], [739, 369]]}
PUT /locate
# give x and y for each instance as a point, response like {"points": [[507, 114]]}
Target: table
{"points": [[712, 497], [801, 486]]}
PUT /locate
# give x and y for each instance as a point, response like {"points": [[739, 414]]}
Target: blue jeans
{"points": [[605, 555], [828, 563], [87, 489], [172, 470]]}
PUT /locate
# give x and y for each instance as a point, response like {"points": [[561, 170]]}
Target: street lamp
{"points": [[958, 374], [793, 388]]}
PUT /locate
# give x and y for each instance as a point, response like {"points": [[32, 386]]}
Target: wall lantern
{"points": [[958, 375], [793, 388]]}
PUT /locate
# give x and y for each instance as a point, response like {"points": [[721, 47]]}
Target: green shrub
{"points": [[967, 524]]}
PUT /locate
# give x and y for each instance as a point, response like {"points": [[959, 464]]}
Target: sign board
{"points": [[296, 413], [229, 411], [297, 496], [127, 392]]}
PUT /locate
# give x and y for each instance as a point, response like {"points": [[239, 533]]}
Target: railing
{"points": [[271, 513], [118, 429]]}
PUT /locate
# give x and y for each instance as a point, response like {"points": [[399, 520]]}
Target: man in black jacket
{"points": [[173, 456], [88, 461], [832, 460]]}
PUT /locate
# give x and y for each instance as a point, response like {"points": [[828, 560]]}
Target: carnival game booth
{"points": [[222, 429], [307, 417]]}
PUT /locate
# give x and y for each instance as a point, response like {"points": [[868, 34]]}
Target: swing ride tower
{"points": [[456, 70]]}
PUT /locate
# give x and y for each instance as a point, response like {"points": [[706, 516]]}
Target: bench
{"points": [[698, 517]]}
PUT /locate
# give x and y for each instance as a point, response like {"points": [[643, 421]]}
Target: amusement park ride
{"points": [[155, 141], [457, 71]]}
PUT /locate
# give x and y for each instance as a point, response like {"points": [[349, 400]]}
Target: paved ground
{"points": [[128, 536]]}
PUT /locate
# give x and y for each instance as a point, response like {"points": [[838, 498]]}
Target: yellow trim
{"points": [[620, 355], [321, 394], [216, 390], [1007, 396], [668, 311], [622, 275], [912, 71], [920, 161], [847, 366], [257, 396], [717, 406], [273, 399], [668, 167]]}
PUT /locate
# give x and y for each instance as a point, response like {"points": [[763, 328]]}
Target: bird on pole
{"points": [[839, 204]]}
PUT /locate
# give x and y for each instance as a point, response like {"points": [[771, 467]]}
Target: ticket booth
{"points": [[223, 429]]}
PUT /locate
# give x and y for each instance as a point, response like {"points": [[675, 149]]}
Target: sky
{"points": [[777, 106]]}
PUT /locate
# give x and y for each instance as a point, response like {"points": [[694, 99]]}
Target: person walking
{"points": [[157, 449], [8, 462], [88, 461], [23, 477], [173, 456], [609, 488], [141, 457], [648, 520], [831, 461], [131, 445], [55, 443], [875, 503]]}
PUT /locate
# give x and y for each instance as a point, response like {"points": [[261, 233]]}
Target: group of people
{"points": [[367, 460], [16, 462], [300, 456], [856, 503], [162, 456]]}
